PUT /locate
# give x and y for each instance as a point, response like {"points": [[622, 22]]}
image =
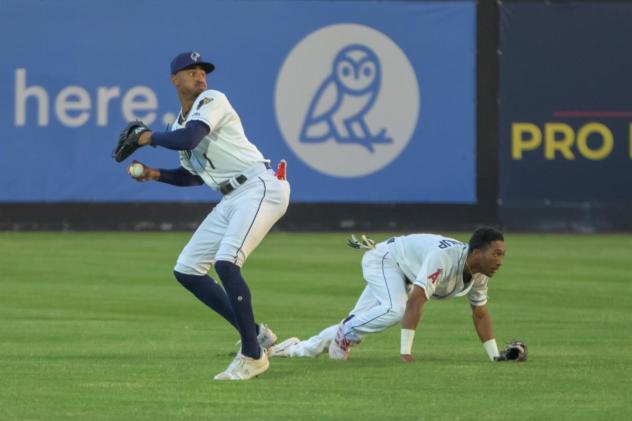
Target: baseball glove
{"points": [[515, 351], [364, 242], [128, 140]]}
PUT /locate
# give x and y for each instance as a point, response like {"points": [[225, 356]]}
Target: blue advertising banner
{"points": [[82, 69], [566, 117]]}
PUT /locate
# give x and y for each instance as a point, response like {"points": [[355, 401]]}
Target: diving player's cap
{"points": [[190, 59]]}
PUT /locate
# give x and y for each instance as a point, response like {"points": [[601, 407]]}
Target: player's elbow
{"points": [[417, 295]]}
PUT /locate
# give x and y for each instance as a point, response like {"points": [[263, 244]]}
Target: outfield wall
{"points": [[565, 126], [437, 154]]}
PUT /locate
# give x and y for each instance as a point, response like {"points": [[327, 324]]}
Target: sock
{"points": [[350, 334], [239, 297], [210, 293]]}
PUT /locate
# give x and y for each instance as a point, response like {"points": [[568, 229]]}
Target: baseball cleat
{"points": [[245, 368], [266, 336], [234, 362], [339, 347], [283, 349]]}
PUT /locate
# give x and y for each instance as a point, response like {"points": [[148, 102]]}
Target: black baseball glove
{"points": [[515, 351], [128, 140]]}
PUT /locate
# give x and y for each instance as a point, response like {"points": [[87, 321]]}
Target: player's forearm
{"points": [[179, 177], [409, 322], [483, 324], [412, 314]]}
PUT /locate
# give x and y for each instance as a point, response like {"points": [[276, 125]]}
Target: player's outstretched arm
{"points": [[185, 139], [410, 321], [483, 326]]}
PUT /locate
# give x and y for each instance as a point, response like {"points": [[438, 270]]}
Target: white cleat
{"points": [[339, 347], [245, 368], [283, 349], [266, 336]]}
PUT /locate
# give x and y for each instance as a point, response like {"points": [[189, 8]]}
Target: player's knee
{"points": [[226, 270], [395, 314], [398, 310], [190, 268], [186, 279]]}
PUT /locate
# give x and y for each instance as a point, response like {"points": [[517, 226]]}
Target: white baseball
{"points": [[136, 169]]}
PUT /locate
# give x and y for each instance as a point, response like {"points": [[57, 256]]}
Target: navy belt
{"points": [[240, 179]]}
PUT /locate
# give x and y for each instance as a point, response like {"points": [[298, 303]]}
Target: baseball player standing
{"points": [[214, 150], [434, 267]]}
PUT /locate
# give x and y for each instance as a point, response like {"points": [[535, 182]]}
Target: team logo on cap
{"points": [[195, 56], [347, 100]]}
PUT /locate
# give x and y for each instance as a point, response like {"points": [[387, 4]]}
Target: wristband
{"points": [[408, 335], [491, 348]]}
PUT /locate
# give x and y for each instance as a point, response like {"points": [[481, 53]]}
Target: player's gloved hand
{"points": [[128, 140], [363, 243], [515, 351], [407, 358]]}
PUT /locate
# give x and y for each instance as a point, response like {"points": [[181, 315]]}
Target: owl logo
{"points": [[347, 100], [343, 99]]}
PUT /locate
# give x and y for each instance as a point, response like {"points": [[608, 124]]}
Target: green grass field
{"points": [[93, 326]]}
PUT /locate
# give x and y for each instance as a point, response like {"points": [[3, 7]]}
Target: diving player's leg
{"points": [[341, 344], [312, 347], [319, 343], [387, 287]]}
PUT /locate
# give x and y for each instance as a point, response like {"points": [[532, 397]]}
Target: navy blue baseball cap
{"points": [[190, 59]]}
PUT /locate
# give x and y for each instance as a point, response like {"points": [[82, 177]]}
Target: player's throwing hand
{"points": [[141, 172]]}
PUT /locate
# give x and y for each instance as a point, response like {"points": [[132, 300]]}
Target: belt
{"points": [[231, 184]]}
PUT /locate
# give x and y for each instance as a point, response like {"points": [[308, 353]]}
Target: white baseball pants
{"points": [[380, 306], [237, 225]]}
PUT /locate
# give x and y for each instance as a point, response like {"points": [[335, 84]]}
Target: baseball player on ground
{"points": [[214, 150], [434, 268]]}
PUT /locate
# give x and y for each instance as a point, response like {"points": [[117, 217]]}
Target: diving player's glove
{"points": [[364, 242], [515, 351], [128, 140]]}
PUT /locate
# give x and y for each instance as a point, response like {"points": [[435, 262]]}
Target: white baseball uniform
{"points": [[433, 262], [244, 216]]}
